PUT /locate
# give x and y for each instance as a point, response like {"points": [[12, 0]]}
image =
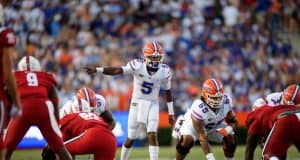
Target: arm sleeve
{"points": [[132, 66]]}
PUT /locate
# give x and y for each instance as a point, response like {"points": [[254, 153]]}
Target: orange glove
{"points": [[225, 131]]}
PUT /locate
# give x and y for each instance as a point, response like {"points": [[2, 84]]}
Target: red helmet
{"points": [[291, 95], [88, 95], [213, 92], [153, 54]]}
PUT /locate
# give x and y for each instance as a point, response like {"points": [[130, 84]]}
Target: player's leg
{"points": [[49, 128], [153, 118], [278, 142], [186, 141], [183, 147], [86, 143], [229, 146], [3, 113], [132, 132], [107, 147], [16, 130]]}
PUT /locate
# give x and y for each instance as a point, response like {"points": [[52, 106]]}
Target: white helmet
{"points": [[29, 63], [258, 103]]}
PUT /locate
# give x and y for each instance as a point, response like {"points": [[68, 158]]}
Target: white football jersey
{"points": [[201, 111], [74, 106], [146, 86], [274, 98], [271, 100]]}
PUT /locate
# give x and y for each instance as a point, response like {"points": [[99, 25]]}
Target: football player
{"points": [[81, 123], [284, 133], [79, 132], [149, 76], [85, 99], [204, 121], [39, 104], [287, 96], [9, 99], [259, 123]]}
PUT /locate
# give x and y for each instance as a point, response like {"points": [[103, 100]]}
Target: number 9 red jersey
{"points": [[34, 84]]}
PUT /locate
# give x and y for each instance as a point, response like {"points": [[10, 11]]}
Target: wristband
{"points": [[170, 108], [229, 130], [210, 156], [100, 69]]}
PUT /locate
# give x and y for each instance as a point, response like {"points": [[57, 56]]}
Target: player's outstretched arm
{"points": [[104, 70], [202, 135], [10, 81]]}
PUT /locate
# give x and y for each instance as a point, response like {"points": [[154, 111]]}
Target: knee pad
{"points": [[182, 149]]}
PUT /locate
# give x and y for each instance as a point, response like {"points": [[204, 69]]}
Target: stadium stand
{"points": [[239, 42]]}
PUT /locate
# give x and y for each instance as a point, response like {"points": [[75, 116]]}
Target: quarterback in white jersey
{"points": [[205, 121], [149, 76], [289, 96]]}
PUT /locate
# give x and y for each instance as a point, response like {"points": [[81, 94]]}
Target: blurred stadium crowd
{"points": [[237, 41]]}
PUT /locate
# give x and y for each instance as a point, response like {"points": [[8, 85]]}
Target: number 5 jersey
{"points": [[146, 86]]}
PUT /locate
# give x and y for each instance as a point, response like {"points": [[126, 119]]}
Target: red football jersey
{"points": [[7, 39], [74, 124], [33, 84], [258, 121]]}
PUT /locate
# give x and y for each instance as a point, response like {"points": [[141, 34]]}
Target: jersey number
{"points": [[32, 79], [147, 87]]}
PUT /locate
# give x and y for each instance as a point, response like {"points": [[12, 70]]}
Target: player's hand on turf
{"points": [[225, 131], [15, 111], [171, 120], [90, 70]]}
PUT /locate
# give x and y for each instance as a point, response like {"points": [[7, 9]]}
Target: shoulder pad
{"points": [[227, 99], [199, 109], [135, 64]]}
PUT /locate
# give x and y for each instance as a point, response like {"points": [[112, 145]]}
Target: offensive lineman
{"points": [[149, 75], [204, 121], [286, 97]]}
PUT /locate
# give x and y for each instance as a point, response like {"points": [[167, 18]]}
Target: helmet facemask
{"points": [[154, 60], [214, 101]]}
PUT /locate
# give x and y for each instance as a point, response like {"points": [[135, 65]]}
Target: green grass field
{"points": [[166, 153]]}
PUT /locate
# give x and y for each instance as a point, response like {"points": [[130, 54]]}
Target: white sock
{"points": [[153, 151], [229, 158], [125, 152]]}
